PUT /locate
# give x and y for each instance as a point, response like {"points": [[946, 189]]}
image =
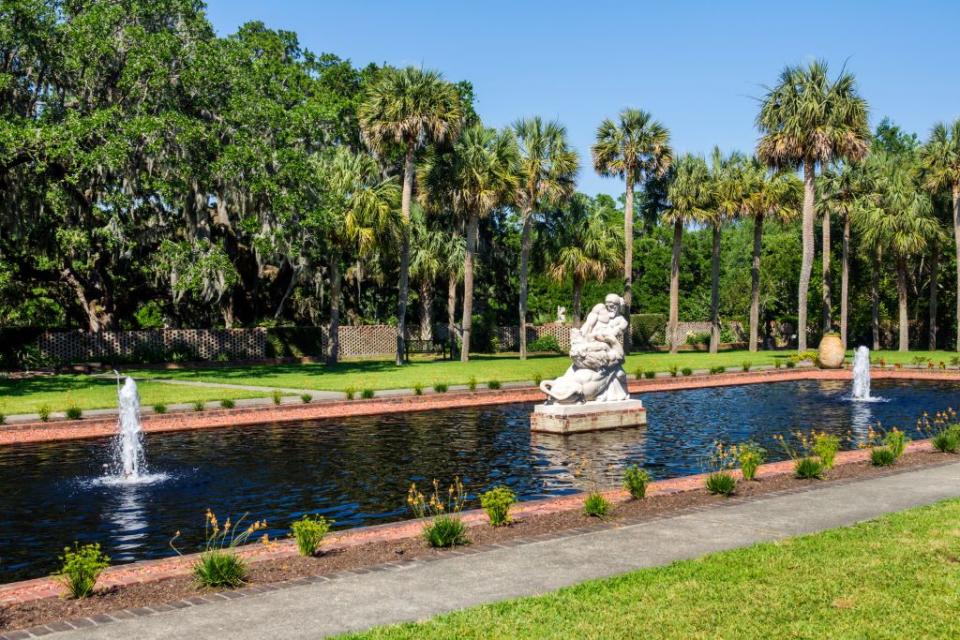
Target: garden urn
{"points": [[831, 351]]}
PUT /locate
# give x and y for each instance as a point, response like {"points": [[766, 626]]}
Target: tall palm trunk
{"points": [[525, 240], [577, 300], [934, 278], [333, 352], [956, 240], [806, 263], [827, 302], [404, 287], [845, 280], [426, 309], [468, 258], [904, 320], [715, 292], [628, 255], [755, 281], [674, 318], [875, 300], [452, 335]]}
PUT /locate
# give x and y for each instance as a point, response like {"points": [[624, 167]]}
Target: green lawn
{"points": [[86, 392], [895, 577], [382, 374]]}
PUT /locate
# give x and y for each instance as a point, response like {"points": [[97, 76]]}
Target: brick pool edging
{"points": [[147, 571], [33, 432]]}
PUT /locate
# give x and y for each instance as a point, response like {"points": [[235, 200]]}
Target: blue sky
{"points": [[697, 66]]}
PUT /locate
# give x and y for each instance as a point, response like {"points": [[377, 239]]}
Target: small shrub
{"points": [[306, 398], [493, 384], [3, 419], [882, 456], [825, 446], [750, 456], [687, 371], [80, 568], [721, 483], [746, 365], [44, 412], [777, 364], [218, 565], [808, 468], [199, 405], [718, 369], [227, 403], [350, 392], [673, 369], [595, 505], [367, 394], [440, 387], [219, 569], [544, 344], [160, 408], [497, 503], [635, 480], [947, 441], [537, 379], [277, 396], [649, 374], [445, 529], [309, 532], [790, 364], [896, 441], [417, 389], [74, 412], [638, 373], [472, 383]]}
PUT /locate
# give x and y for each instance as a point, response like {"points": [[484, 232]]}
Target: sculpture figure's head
{"points": [[613, 303]]}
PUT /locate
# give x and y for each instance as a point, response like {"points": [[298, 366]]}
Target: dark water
{"points": [[357, 470]]}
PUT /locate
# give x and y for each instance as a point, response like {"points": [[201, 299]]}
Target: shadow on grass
{"points": [[64, 384]]}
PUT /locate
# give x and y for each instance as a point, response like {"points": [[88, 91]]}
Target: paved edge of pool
{"points": [[33, 432], [146, 571]]}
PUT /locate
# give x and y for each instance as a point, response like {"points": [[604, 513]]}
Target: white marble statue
{"points": [[596, 349]]}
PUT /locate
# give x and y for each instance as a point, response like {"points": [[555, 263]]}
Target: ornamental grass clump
{"points": [[493, 384], [350, 392], [440, 387], [160, 408], [746, 365], [882, 456], [277, 396], [808, 468], [306, 398], [309, 531], [44, 413], [635, 480], [687, 371], [825, 446], [721, 483], [74, 412], [596, 506], [649, 374], [218, 564], [718, 370], [812, 453], [80, 568], [445, 528], [227, 403], [417, 389], [199, 405], [943, 430], [497, 503], [673, 369], [749, 456], [472, 383], [367, 394], [886, 447]]}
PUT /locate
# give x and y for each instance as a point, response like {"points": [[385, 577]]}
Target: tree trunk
{"points": [[426, 309], [674, 317], [577, 300], [452, 334], [468, 258], [825, 251], [934, 278], [91, 301], [755, 282], [845, 280], [904, 321], [525, 239], [875, 301], [715, 292], [956, 240], [806, 264], [404, 287], [333, 353], [628, 255]]}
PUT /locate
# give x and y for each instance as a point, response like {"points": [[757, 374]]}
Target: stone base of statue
{"points": [[591, 416]]}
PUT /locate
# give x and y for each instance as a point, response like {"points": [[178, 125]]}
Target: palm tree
{"points": [[806, 120], [690, 198], [357, 207], [940, 159], [900, 221], [427, 262], [582, 243], [769, 194], [484, 179], [634, 148], [410, 108], [545, 176]]}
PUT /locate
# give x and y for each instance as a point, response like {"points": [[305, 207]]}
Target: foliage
{"points": [[367, 394], [546, 343], [44, 413], [228, 403], [943, 430], [218, 564], [80, 568], [199, 405], [812, 453], [159, 408], [445, 528], [808, 468], [749, 456], [718, 369], [595, 505], [687, 371], [350, 392], [648, 329], [306, 398], [721, 483], [746, 365], [650, 374], [673, 369], [277, 396], [417, 389], [309, 532], [635, 480], [497, 502], [74, 412], [440, 387], [882, 456], [493, 384], [825, 446], [896, 441]]}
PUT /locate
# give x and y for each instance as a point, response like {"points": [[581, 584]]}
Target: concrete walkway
{"points": [[421, 589]]}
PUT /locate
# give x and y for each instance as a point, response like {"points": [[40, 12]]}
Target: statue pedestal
{"points": [[591, 416]]}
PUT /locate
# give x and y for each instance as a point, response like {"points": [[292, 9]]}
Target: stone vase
{"points": [[831, 353]]}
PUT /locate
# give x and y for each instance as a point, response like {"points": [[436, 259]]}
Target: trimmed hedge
{"points": [[648, 329]]}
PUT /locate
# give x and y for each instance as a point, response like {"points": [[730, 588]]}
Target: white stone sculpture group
{"points": [[596, 349]]}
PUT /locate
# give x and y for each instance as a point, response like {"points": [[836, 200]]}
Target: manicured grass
{"points": [[86, 392], [895, 577], [382, 374]]}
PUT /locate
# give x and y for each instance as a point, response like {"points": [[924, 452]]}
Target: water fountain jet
{"points": [[861, 376], [128, 447]]}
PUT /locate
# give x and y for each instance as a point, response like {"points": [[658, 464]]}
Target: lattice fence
{"points": [[509, 337], [188, 344]]}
